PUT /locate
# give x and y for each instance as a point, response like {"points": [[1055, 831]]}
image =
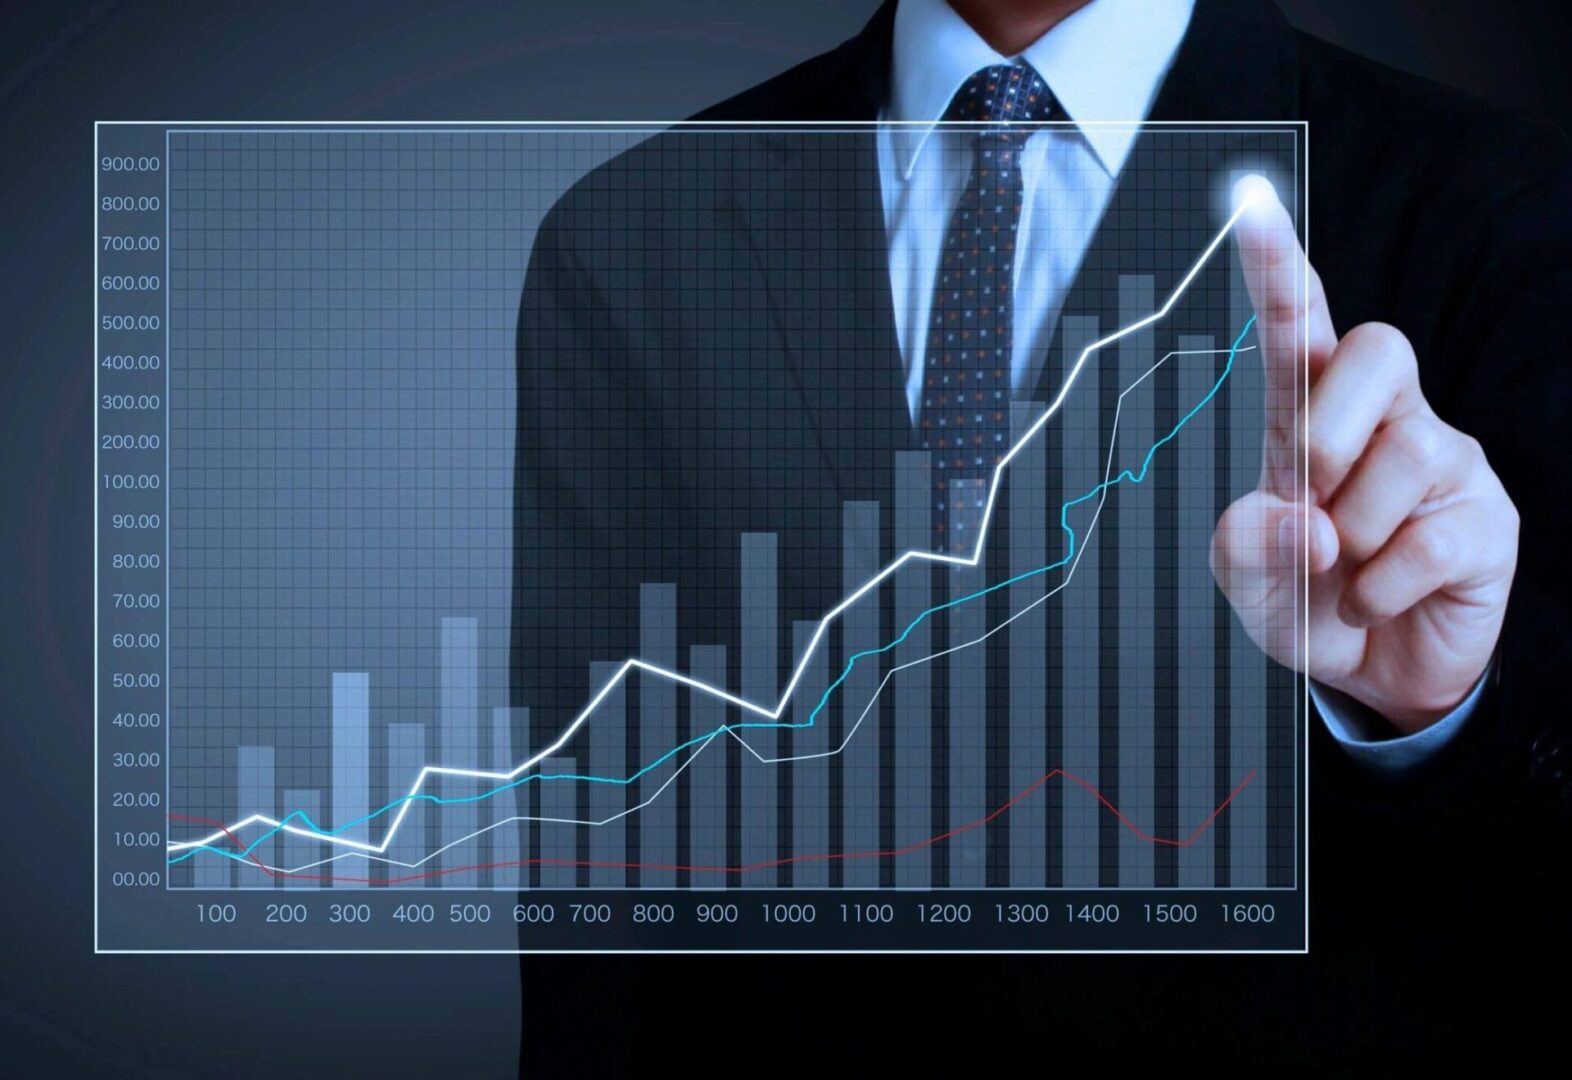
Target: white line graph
{"points": [[771, 713], [873, 699]]}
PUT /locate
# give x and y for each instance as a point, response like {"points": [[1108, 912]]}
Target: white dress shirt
{"points": [[1104, 63]]}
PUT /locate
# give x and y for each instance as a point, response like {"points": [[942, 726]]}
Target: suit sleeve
{"points": [[1504, 379], [1517, 400]]}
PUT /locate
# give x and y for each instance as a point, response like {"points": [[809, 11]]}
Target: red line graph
{"points": [[919, 845]]}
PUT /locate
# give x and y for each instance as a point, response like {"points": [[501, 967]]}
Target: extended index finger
{"points": [[1292, 320]]}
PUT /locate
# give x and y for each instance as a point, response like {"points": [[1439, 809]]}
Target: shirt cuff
{"points": [[1369, 738]]}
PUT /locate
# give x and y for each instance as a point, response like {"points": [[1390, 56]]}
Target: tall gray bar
{"points": [[1028, 641], [810, 771], [1194, 456], [212, 871], [913, 686], [1082, 468], [860, 756], [1247, 664], [968, 698], [1137, 583]]}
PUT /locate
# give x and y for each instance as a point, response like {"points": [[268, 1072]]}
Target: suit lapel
{"points": [[815, 223], [816, 231], [1238, 61]]}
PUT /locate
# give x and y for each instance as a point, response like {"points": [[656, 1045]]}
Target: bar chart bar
{"points": [[458, 713], [1080, 466], [1130, 516], [810, 772], [254, 777], [860, 801], [1248, 707], [1193, 455], [657, 825], [1028, 539], [210, 871], [351, 755], [913, 686], [968, 696]]}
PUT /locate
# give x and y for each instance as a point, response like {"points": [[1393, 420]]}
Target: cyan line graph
{"points": [[1134, 477]]}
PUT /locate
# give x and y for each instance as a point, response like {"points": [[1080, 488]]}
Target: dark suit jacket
{"points": [[1427, 210]]}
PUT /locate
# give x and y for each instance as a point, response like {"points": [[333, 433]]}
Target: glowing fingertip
{"points": [[1253, 191]]}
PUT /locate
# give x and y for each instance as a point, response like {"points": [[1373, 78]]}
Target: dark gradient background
{"points": [[61, 1008]]}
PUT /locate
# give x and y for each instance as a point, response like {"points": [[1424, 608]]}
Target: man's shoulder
{"points": [[1354, 104], [833, 85], [800, 93], [843, 83]]}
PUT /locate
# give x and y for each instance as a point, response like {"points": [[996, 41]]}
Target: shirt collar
{"points": [[1104, 62]]}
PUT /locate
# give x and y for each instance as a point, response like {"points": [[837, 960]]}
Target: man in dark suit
{"points": [[678, 389]]}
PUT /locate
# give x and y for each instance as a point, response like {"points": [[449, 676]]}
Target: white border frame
{"points": [[1301, 791]]}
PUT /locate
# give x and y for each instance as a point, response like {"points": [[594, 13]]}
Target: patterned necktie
{"points": [[966, 383]]}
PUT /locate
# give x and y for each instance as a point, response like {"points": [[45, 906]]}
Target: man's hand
{"points": [[1410, 537]]}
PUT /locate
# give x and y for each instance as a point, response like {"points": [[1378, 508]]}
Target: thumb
{"points": [[1262, 540]]}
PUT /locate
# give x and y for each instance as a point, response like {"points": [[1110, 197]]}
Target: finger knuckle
{"points": [[1362, 598], [1433, 546], [1328, 452], [1313, 283], [1416, 441], [1386, 345], [1225, 559], [1281, 306], [1508, 519]]}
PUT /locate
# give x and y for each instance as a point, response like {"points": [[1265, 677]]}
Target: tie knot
{"points": [[1004, 93]]}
